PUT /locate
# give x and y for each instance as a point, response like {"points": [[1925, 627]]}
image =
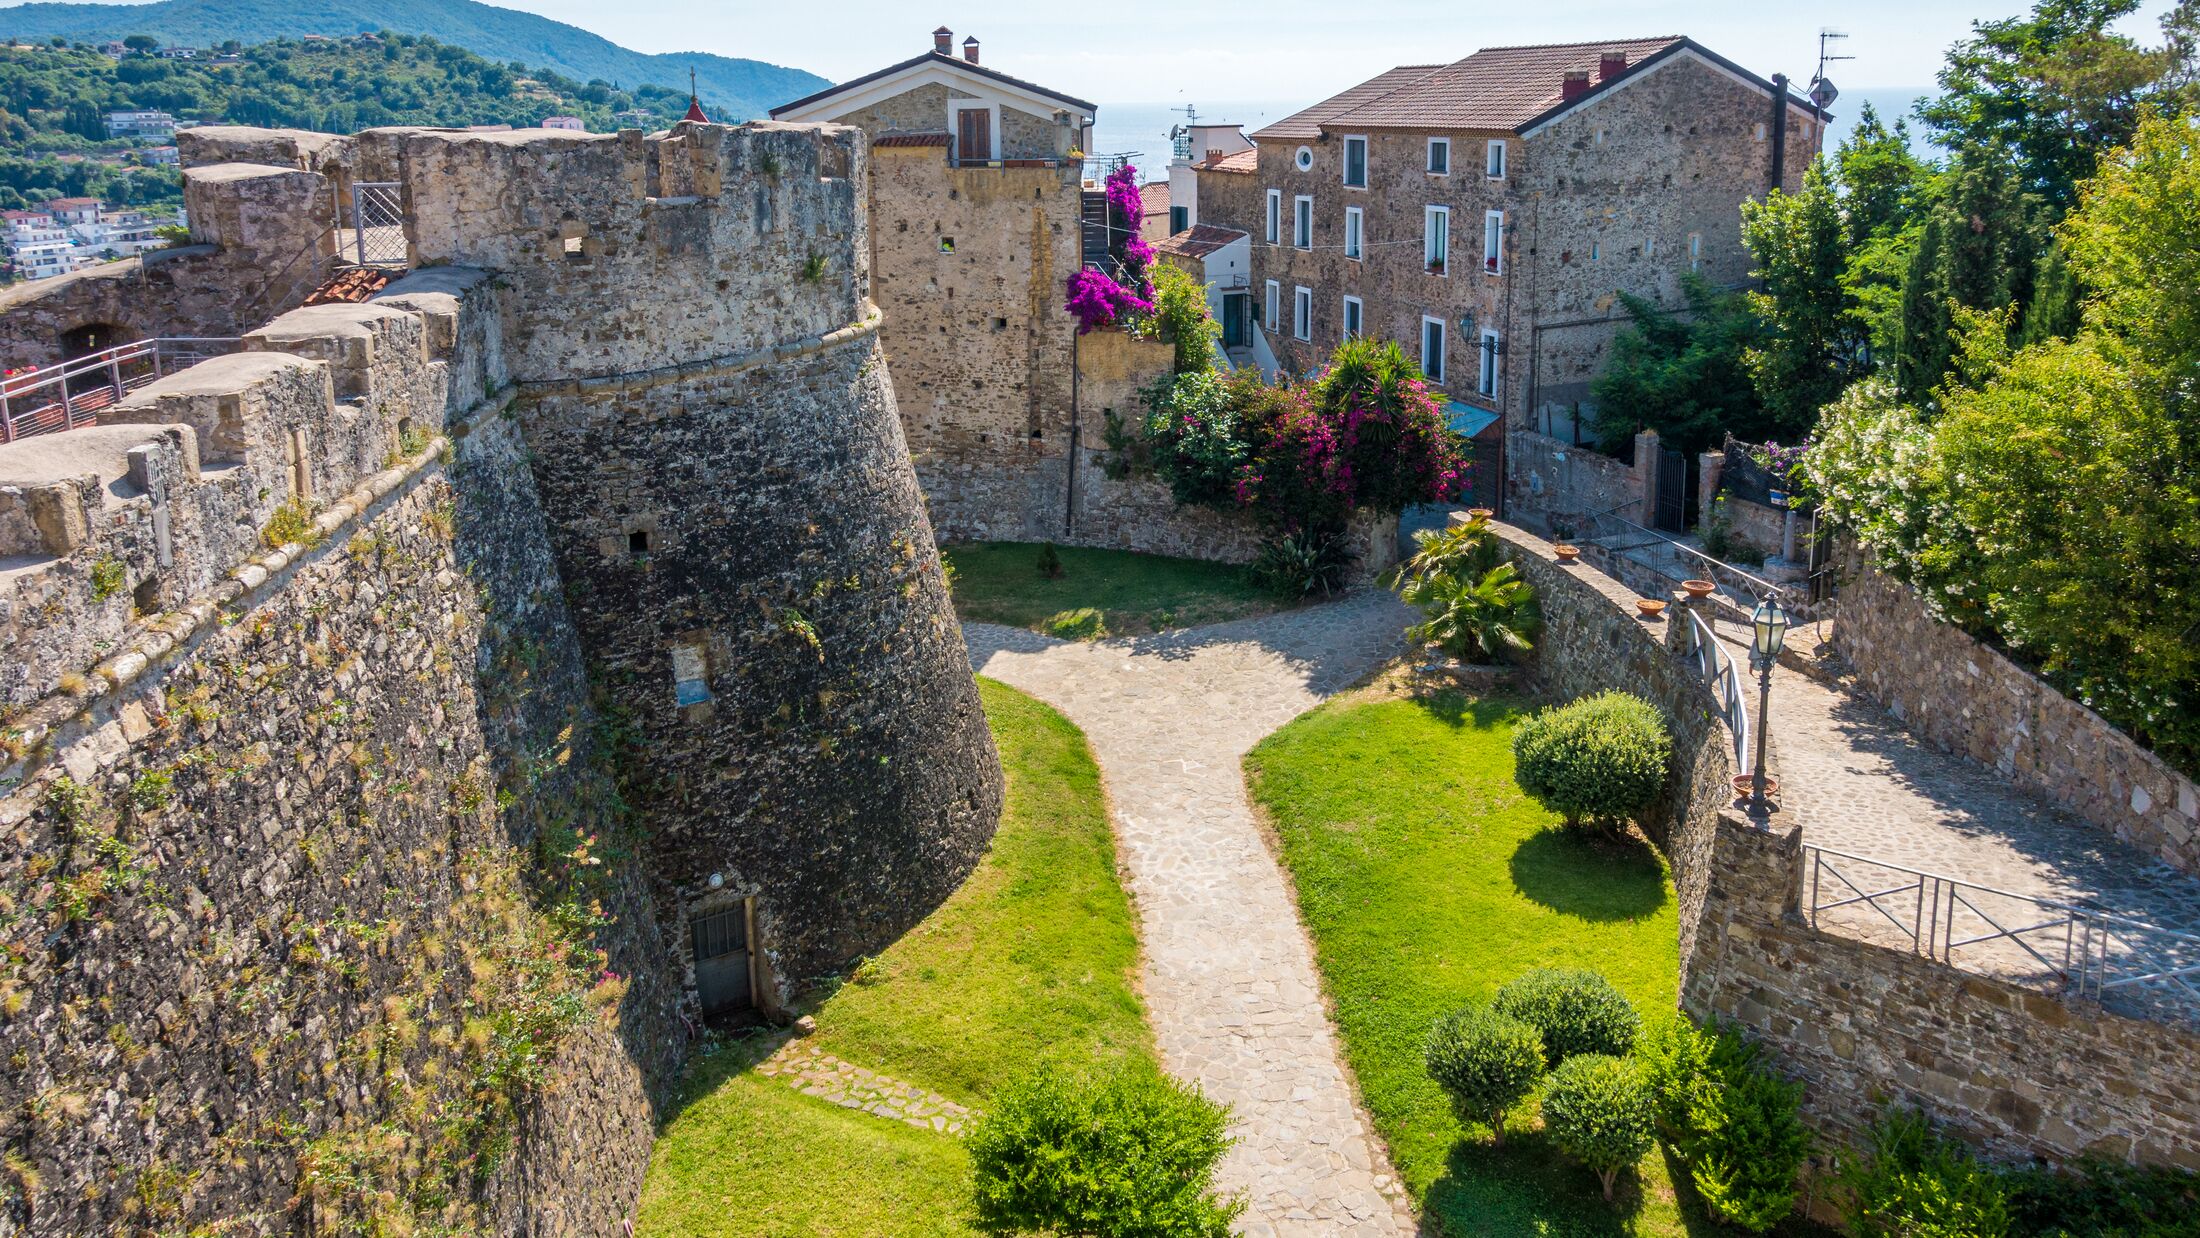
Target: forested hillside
{"points": [[746, 89], [54, 103]]}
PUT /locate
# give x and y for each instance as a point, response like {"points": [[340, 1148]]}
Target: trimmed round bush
{"points": [[1598, 1110], [1600, 759], [1127, 1154], [1575, 1011], [1486, 1062]]}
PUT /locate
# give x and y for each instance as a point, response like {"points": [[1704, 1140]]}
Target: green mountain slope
{"points": [[746, 89]]}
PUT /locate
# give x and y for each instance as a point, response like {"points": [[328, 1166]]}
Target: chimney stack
{"points": [[943, 42], [1575, 85], [1611, 63], [970, 49]]}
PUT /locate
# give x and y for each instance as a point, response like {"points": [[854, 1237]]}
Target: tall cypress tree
{"points": [[1981, 249]]}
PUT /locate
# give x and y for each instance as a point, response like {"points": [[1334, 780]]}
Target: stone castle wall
{"points": [[1965, 698], [604, 551], [2022, 1074], [274, 917]]}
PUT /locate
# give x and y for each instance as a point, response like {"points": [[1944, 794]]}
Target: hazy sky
{"points": [[1151, 50]]}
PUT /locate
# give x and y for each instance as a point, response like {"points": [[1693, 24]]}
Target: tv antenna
{"points": [[1822, 92], [1180, 136]]}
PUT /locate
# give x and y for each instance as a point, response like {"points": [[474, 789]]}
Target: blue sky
{"points": [[1154, 50]]}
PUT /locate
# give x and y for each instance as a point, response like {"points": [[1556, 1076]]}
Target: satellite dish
{"points": [[1822, 93]]}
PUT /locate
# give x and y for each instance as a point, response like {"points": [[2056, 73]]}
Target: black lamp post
{"points": [[1769, 625]]}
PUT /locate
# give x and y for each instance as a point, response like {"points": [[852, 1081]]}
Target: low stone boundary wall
{"points": [[2023, 1074], [1963, 697]]}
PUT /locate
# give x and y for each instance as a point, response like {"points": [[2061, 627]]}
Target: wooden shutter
{"points": [[973, 136]]}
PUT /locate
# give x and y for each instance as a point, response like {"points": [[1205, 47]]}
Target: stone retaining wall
{"points": [[1959, 695], [2020, 1073]]}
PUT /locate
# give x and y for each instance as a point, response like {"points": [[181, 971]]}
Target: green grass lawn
{"points": [[1427, 879], [1030, 961], [999, 582]]}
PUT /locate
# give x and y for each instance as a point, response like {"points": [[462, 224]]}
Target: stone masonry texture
{"points": [[294, 841]]}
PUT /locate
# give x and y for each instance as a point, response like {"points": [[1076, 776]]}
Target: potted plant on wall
{"points": [[1562, 541]]}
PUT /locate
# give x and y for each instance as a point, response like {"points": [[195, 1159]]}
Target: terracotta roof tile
{"points": [[913, 139], [1244, 161], [1305, 125], [1496, 88], [1198, 241], [1155, 197]]}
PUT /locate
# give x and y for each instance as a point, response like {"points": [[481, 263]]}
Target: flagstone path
{"points": [[1229, 975]]}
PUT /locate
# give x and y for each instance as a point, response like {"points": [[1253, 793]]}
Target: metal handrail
{"points": [[2090, 952], [40, 401], [1715, 666]]}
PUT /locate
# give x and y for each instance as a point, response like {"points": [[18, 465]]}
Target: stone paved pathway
{"points": [[1857, 782], [814, 1072], [1229, 975]]}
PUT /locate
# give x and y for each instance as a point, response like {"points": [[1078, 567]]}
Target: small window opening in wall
{"points": [[146, 597], [1000, 324], [690, 676], [574, 252], [637, 542], [947, 244]]}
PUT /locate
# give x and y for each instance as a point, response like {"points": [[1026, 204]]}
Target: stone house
{"points": [[975, 225], [1486, 214], [1195, 144]]}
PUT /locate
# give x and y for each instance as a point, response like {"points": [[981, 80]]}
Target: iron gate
{"points": [[721, 943], [378, 223], [1673, 488]]}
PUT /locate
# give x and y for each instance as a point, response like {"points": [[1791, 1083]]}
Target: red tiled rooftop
{"points": [[1198, 241], [1155, 197], [1245, 161], [912, 139]]}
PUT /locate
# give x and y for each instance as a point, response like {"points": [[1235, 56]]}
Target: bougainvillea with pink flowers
{"points": [[1099, 299], [1365, 432]]}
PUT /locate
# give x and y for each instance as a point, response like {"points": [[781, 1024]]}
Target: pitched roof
{"points": [[951, 62], [1508, 88], [1154, 197], [1306, 124], [1198, 241], [1246, 161]]}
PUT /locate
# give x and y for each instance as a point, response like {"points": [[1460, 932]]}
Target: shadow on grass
{"points": [[1589, 874], [1526, 1187], [1454, 707], [737, 1052]]}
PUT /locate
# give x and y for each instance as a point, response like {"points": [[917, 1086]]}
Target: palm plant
{"points": [[1490, 616]]}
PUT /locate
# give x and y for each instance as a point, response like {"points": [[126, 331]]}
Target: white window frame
{"points": [[955, 108], [1649, 247], [1354, 319], [1430, 231], [1344, 162], [1493, 242], [1272, 306], [1355, 233], [1302, 312], [1493, 160], [1486, 372], [1429, 163], [1443, 340], [1596, 250], [1275, 216], [1302, 221], [1695, 251], [1303, 158]]}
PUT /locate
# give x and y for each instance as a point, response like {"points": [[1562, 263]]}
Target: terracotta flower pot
{"points": [[1746, 784], [1699, 588], [1479, 513], [1651, 608], [1566, 553]]}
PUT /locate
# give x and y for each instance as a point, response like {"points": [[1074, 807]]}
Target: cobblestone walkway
{"points": [[813, 1072], [1857, 782], [1229, 975]]}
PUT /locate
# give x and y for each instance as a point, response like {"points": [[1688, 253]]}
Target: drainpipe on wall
{"points": [[1777, 174], [1069, 500]]}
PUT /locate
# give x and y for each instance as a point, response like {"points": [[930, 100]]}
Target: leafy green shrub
{"points": [[1084, 623], [1486, 1062], [1601, 758], [1050, 561], [1129, 1154], [1303, 564], [1918, 1183], [2105, 1199], [107, 577], [1598, 1110], [1196, 424], [1465, 548], [1478, 618], [1181, 317], [1576, 1012], [1735, 1123]]}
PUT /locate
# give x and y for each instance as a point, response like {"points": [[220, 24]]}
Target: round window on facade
{"points": [[1306, 158]]}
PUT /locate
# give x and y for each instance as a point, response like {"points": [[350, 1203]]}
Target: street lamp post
{"points": [[1769, 625]]}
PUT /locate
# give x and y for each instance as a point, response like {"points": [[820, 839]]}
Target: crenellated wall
{"points": [[429, 664]]}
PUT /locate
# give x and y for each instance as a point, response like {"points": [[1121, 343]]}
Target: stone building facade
{"points": [[1486, 213], [598, 542]]}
